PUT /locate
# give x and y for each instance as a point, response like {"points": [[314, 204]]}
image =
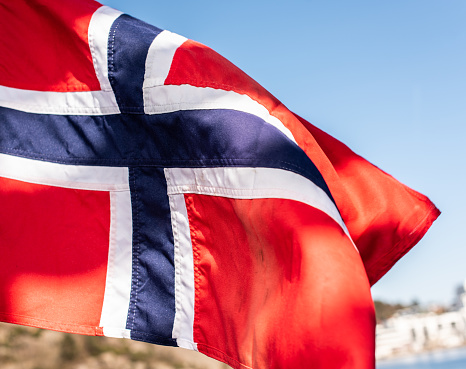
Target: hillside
{"points": [[32, 348]]}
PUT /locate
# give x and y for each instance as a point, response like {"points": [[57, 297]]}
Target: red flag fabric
{"points": [[384, 228], [151, 190]]}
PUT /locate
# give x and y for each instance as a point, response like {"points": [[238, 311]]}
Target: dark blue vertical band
{"points": [[129, 42], [152, 306]]}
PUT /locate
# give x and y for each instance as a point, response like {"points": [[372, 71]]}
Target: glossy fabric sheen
{"points": [[384, 228], [54, 255], [379, 211], [269, 272], [47, 56]]}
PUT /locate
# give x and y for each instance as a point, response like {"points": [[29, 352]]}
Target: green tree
{"points": [[383, 310]]}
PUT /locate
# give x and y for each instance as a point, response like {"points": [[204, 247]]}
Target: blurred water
{"points": [[444, 359]]}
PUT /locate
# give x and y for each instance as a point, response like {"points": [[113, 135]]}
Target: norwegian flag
{"points": [[151, 190]]}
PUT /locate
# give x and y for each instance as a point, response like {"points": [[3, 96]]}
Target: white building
{"points": [[409, 332]]}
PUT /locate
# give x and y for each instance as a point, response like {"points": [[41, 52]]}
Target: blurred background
{"points": [[33, 348]]}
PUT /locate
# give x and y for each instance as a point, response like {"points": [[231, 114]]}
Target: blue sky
{"points": [[387, 78]]}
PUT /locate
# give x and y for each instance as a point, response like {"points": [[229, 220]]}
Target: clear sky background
{"points": [[388, 78]]}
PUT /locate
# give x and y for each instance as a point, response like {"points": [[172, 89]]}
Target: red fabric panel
{"points": [[384, 217], [54, 247], [44, 45], [278, 285], [198, 65]]}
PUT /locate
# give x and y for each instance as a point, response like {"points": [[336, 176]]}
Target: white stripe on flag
{"points": [[232, 182], [159, 99], [64, 175], [159, 58], [80, 102], [119, 267], [98, 34], [251, 183], [184, 273], [60, 103], [115, 180], [171, 98]]}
